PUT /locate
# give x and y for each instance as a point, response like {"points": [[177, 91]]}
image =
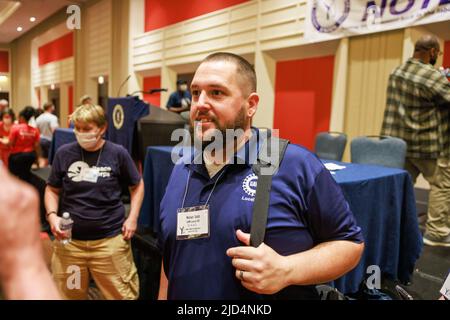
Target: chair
{"points": [[330, 145], [379, 150]]}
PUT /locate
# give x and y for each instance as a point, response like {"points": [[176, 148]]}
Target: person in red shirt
{"points": [[7, 118], [24, 142]]}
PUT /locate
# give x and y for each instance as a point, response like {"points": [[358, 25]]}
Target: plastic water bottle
{"points": [[66, 226]]}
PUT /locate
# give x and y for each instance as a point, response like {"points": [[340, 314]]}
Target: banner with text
{"points": [[333, 19]]}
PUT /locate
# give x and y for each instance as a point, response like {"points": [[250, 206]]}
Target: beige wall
{"points": [[100, 48], [21, 71], [119, 52], [112, 43], [371, 59]]}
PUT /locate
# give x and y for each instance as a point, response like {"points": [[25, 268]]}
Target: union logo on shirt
{"points": [[75, 170], [80, 171], [249, 186]]}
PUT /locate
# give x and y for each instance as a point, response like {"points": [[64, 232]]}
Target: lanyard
{"points": [[98, 159], [210, 194]]}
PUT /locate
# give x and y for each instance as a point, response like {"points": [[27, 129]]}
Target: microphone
{"points": [[123, 83], [150, 91]]}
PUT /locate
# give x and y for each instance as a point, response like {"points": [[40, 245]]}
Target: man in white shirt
{"points": [[46, 123]]}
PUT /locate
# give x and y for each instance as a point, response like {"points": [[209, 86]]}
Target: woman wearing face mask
{"points": [[7, 118], [86, 180], [24, 143]]}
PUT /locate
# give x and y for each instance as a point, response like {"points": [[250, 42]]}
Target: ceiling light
{"points": [[32, 19], [19, 29]]}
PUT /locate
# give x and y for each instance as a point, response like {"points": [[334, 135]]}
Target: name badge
{"points": [[193, 223], [89, 175], [445, 291]]}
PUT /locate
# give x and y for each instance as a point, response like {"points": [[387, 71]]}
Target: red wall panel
{"points": [[56, 50], [161, 13], [152, 83], [70, 97], [303, 90], [446, 63], [4, 61]]}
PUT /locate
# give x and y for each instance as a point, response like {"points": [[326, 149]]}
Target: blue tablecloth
{"points": [[381, 198], [60, 136]]}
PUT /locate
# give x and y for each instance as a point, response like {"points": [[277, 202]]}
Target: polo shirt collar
{"points": [[246, 155]]}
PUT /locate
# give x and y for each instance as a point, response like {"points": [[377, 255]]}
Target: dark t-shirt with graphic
{"points": [[91, 186]]}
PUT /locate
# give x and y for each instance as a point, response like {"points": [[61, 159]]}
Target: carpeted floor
{"points": [[431, 270]]}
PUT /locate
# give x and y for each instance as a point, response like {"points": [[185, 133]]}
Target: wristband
{"points": [[49, 213]]}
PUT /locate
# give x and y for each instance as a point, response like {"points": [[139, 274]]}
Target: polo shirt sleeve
{"points": [[128, 171], [329, 214], [57, 173]]}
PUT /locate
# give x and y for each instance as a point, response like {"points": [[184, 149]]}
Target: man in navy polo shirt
{"points": [[206, 213], [180, 100]]}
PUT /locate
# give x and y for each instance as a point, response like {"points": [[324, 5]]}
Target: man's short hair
{"points": [[426, 43], [244, 68], [47, 106]]}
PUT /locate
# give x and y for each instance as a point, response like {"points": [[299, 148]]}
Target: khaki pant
{"points": [[109, 261], [437, 173]]}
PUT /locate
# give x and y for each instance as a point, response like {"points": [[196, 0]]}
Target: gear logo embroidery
{"points": [[249, 184]]}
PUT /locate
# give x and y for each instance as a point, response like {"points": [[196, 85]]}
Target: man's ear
{"points": [[252, 101]]}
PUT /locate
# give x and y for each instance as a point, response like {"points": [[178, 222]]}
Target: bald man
{"points": [[418, 111]]}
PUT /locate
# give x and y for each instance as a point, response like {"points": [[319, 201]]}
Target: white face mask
{"points": [[87, 140]]}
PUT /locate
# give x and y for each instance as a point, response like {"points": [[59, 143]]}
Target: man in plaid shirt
{"points": [[418, 111]]}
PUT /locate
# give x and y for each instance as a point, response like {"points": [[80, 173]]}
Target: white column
{"points": [[339, 87], [136, 27], [169, 81], [265, 67], [63, 104], [44, 94]]}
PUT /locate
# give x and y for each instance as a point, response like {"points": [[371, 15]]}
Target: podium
{"points": [[123, 114], [156, 129]]}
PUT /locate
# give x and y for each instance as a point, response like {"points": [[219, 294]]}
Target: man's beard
{"points": [[238, 123], [433, 60]]}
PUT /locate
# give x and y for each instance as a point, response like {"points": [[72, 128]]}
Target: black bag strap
{"points": [[262, 197]]}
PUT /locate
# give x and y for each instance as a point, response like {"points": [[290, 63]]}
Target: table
{"points": [[383, 202], [381, 198], [60, 136]]}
